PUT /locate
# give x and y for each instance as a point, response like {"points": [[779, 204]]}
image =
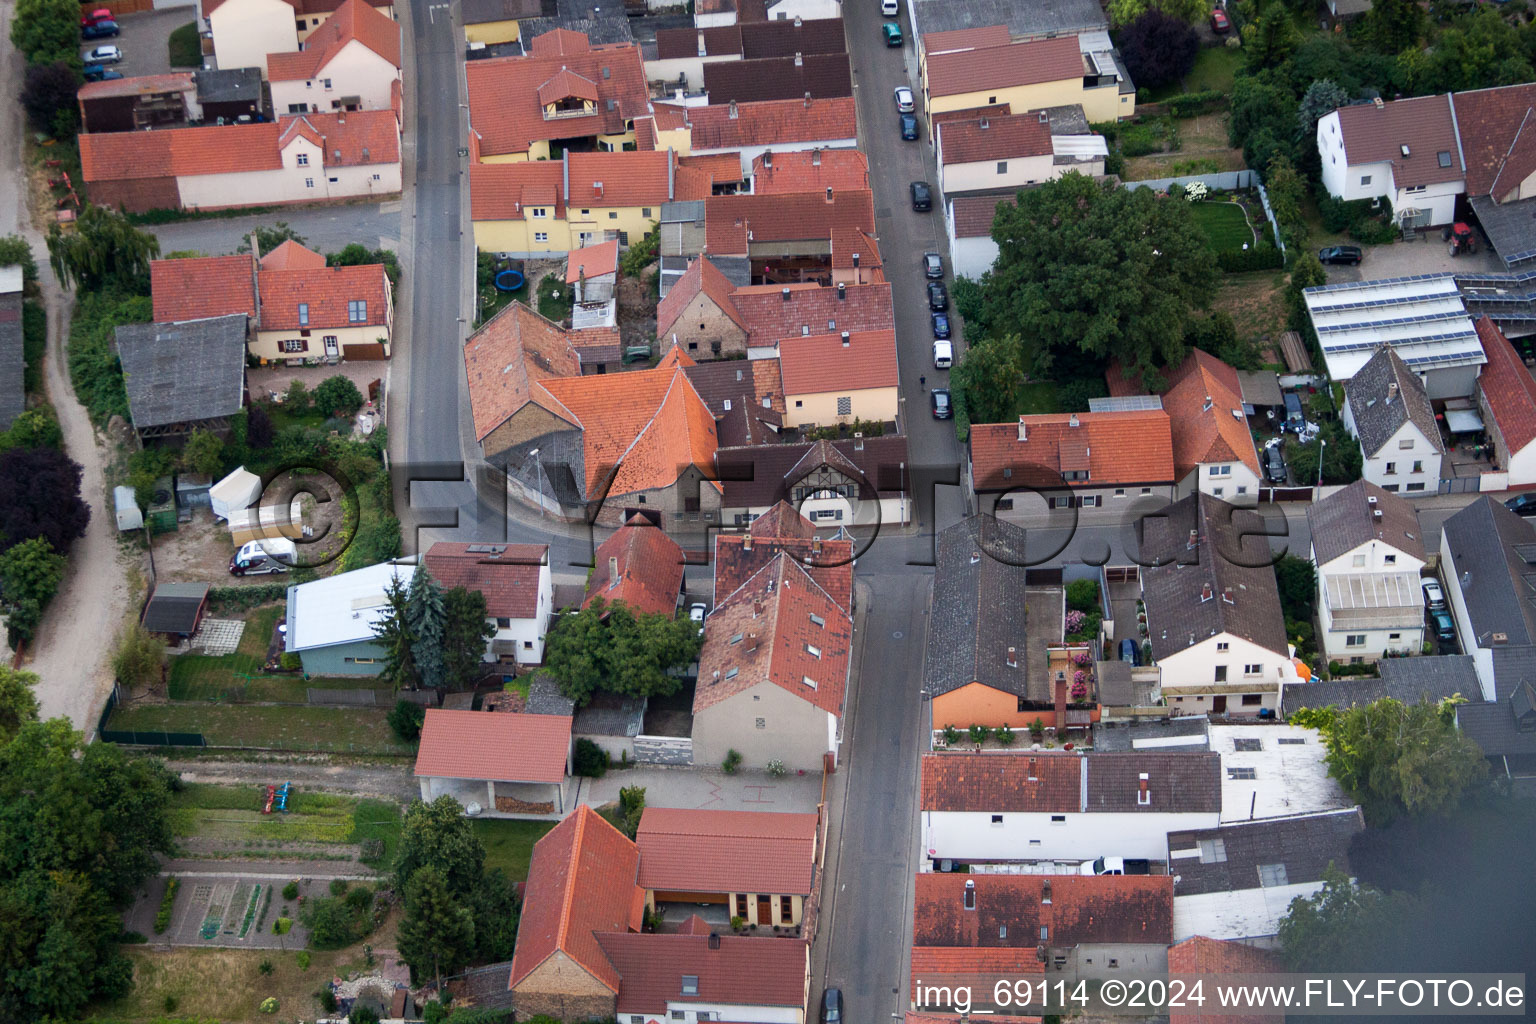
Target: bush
{"points": [[1238, 261], [338, 396], [406, 718], [93, 368], [1083, 596], [590, 759], [951, 735], [269, 1004], [327, 999], [167, 902], [302, 959], [47, 92], [776, 768], [631, 807], [170, 1003], [360, 898], [334, 923], [265, 967], [338, 887], [732, 761], [296, 398], [1193, 104], [291, 891], [1374, 231], [362, 1015], [1005, 736], [1158, 49], [282, 926], [979, 734]]}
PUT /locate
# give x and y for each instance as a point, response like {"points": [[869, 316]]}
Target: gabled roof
{"points": [[175, 607], [1348, 518], [507, 574], [1423, 125], [505, 191], [734, 970], [994, 138], [137, 85], [1384, 395], [500, 747], [328, 293], [730, 380], [1110, 447], [581, 884], [624, 178], [183, 372], [854, 361], [763, 634], [785, 37], [964, 39], [819, 75], [979, 569], [701, 276], [592, 261], [1006, 66], [1303, 844], [783, 530], [1202, 955], [1490, 122], [354, 21], [686, 43], [650, 569], [732, 223], [757, 476], [1010, 911], [769, 123], [507, 358], [814, 170], [1508, 388], [1494, 552], [811, 309], [727, 851], [567, 84], [1043, 783], [721, 167], [1204, 403], [290, 255], [205, 286]]}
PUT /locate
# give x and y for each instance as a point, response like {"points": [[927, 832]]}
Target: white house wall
{"points": [[527, 635], [1482, 657], [245, 31], [1023, 836], [751, 153], [293, 183], [691, 1012], [789, 10], [1196, 666], [983, 174], [1403, 480], [355, 71], [1239, 485]]}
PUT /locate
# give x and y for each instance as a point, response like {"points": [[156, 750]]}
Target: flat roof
{"points": [[1273, 770], [1423, 318], [1034, 19], [340, 609], [494, 746]]}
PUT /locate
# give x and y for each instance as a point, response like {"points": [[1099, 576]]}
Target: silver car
{"points": [[904, 101], [103, 55]]}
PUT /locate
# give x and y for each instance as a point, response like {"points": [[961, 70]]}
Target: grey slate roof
{"points": [[1492, 726], [1305, 844], [1344, 520], [173, 607], [545, 698], [1510, 227], [599, 31], [1406, 679], [822, 75], [13, 398], [229, 85], [1231, 556], [608, 715], [1181, 782], [1494, 550], [183, 372], [1028, 20], [1260, 387], [479, 11], [760, 475], [1512, 666], [1377, 412], [1195, 730], [978, 608]]}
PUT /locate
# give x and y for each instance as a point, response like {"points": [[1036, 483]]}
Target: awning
{"points": [[1463, 421]]}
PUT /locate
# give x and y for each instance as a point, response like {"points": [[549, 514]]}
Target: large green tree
{"points": [[1123, 12], [1088, 271], [987, 378], [1329, 930], [394, 634], [424, 618], [437, 933], [103, 249], [465, 631], [46, 31], [437, 835], [608, 648], [18, 704], [1286, 190], [1393, 26]]}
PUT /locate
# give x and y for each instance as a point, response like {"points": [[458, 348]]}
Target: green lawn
{"points": [[1215, 67], [1224, 225], [234, 812], [509, 844], [185, 47], [339, 730], [1038, 397]]}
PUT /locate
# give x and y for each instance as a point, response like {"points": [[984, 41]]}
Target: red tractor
{"points": [[1462, 239]]}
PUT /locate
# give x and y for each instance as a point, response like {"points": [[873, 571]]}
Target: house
{"points": [[1073, 460], [968, 223], [773, 673], [175, 610], [1082, 70], [1213, 608], [838, 379], [945, 19], [859, 481], [296, 159], [1199, 956], [299, 308], [1423, 319], [1505, 730], [499, 21], [245, 31], [1213, 448], [699, 314], [761, 866], [842, 170], [1046, 806], [683, 53], [1369, 553], [1078, 928], [234, 94], [699, 975], [1237, 881], [772, 313], [1486, 558], [752, 129], [1492, 126], [352, 62], [1387, 411], [331, 620], [995, 152], [783, 530], [143, 101], [13, 398], [1271, 770], [592, 272], [565, 92], [1409, 680], [507, 359], [511, 764], [183, 376], [515, 581], [1506, 398], [582, 883], [639, 565], [774, 229], [745, 397], [818, 75], [1405, 152]]}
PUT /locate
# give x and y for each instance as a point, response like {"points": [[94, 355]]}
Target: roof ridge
{"points": [[1504, 160], [568, 898]]}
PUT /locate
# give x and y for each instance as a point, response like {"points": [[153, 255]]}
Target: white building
{"points": [[331, 620], [518, 591], [245, 31], [968, 223], [1422, 318], [1387, 411], [1048, 806], [1369, 553], [1270, 771], [1010, 152], [1405, 152], [352, 62]]}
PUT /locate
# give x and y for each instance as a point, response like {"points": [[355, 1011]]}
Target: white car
{"points": [[904, 103], [943, 355], [103, 55], [696, 614], [889, 8]]}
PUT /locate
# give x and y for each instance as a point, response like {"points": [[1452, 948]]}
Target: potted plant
{"points": [[737, 923], [1037, 729]]}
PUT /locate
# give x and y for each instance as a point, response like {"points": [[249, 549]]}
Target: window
{"points": [[1394, 636], [357, 311], [1218, 492], [813, 651], [1272, 875], [1221, 673], [1416, 487], [538, 212], [1034, 842], [302, 159], [1406, 444], [676, 1014], [1003, 505], [1242, 489], [762, 723], [541, 236], [613, 215], [326, 82], [1113, 962], [997, 819], [1222, 645], [361, 661], [798, 403], [1252, 699], [503, 623], [1418, 466], [1213, 851], [333, 180], [991, 100], [1221, 471], [786, 910], [636, 1018], [1416, 189], [1119, 492], [818, 621], [295, 345], [1045, 932], [1389, 559], [1146, 490], [1365, 179], [1293, 741], [645, 211], [309, 182], [1354, 640], [1253, 670], [690, 984], [527, 645], [376, 178], [1247, 745], [741, 904], [845, 405], [1058, 819], [1002, 167], [1444, 157], [1241, 774], [1391, 468]]}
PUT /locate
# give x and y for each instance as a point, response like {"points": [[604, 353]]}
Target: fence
{"points": [[153, 739], [663, 750], [1220, 181], [1461, 485], [317, 695]]}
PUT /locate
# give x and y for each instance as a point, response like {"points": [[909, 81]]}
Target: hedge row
{"points": [[1195, 103], [1236, 261], [163, 915]]}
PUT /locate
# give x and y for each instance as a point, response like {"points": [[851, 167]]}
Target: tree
{"points": [[338, 396], [138, 657], [1398, 759], [1339, 452], [31, 571], [437, 933], [47, 31], [1327, 930], [1322, 98], [48, 91], [395, 636], [1286, 190], [1262, 119], [987, 378], [465, 631], [406, 718], [424, 618], [1158, 49], [609, 648], [1125, 12], [34, 428], [356, 255], [258, 427], [1088, 272], [1297, 581], [203, 453], [269, 238], [18, 704], [40, 497], [437, 835], [495, 910], [103, 250], [1268, 41], [15, 251]]}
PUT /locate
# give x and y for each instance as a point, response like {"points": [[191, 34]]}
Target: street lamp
{"points": [[540, 464], [1322, 445]]}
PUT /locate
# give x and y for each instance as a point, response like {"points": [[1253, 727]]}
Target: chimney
{"points": [[703, 50], [734, 110], [845, 339], [752, 637], [970, 894], [1013, 657], [1206, 593], [799, 60], [613, 570], [746, 542], [785, 293], [807, 101], [975, 557], [1023, 430], [1194, 539], [1370, 500], [815, 545], [768, 159], [1391, 390], [1376, 514], [1061, 706], [341, 118], [1379, 105], [714, 940], [1143, 793], [1033, 775], [829, 193], [842, 292], [1073, 421], [816, 157], [1208, 404], [1227, 595], [1045, 118]]}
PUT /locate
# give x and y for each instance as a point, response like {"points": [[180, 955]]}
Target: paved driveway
{"points": [[697, 788], [144, 40], [1426, 255]]}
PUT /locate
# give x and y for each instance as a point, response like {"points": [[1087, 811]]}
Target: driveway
{"points": [[144, 40], [1425, 255], [325, 229], [706, 789]]}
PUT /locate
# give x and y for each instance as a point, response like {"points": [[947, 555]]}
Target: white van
{"points": [[889, 8], [270, 554], [943, 355]]}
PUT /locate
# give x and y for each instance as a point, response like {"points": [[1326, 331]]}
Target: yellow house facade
{"points": [[490, 32], [1102, 103], [1027, 76], [839, 378], [825, 408]]}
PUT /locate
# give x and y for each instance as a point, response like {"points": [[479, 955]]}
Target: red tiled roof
{"points": [[793, 216], [138, 85], [812, 309], [978, 968], [581, 884], [632, 178], [567, 84], [559, 42], [848, 243], [727, 851], [1113, 447], [1489, 121], [1201, 955], [974, 214], [775, 644], [508, 577], [499, 747], [650, 569], [1047, 783], [970, 113], [1136, 909], [994, 138], [645, 133], [739, 557], [507, 358], [721, 167], [1507, 387], [736, 970], [695, 183], [764, 124], [1005, 66], [965, 39], [1200, 435], [328, 293], [701, 276], [192, 289], [353, 20], [592, 260], [290, 255], [1424, 124], [843, 170], [505, 191], [505, 93], [823, 362]]}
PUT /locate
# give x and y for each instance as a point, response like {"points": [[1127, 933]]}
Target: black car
{"points": [[1348, 255], [909, 127], [922, 197], [933, 266], [100, 30], [940, 325], [1274, 464], [938, 296], [1522, 504], [832, 1006], [942, 410]]}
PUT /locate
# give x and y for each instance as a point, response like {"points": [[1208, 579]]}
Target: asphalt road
{"points": [[323, 228]]}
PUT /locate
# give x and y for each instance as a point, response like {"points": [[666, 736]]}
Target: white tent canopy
{"points": [[237, 491]]}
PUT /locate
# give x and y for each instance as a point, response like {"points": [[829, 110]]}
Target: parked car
{"points": [[1522, 504], [832, 1006], [891, 32], [1220, 24], [904, 104], [1346, 255], [909, 127], [99, 14], [938, 295], [1295, 419], [1130, 652], [1274, 463], [103, 55], [942, 410], [99, 30], [259, 557], [933, 266], [1115, 866], [940, 324], [889, 8], [943, 355], [97, 73], [1434, 596], [1445, 629], [922, 197], [696, 615]]}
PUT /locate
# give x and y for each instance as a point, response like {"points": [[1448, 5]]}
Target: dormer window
{"points": [[303, 314], [357, 311]]}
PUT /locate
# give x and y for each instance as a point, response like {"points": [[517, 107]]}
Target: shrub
{"points": [[338, 887], [406, 718], [979, 734], [363, 1015], [333, 923], [169, 1002], [1193, 104], [1037, 728], [163, 915], [269, 1004], [327, 999], [296, 398], [1237, 261], [1374, 231], [290, 661], [776, 768], [590, 759], [360, 898], [1083, 595], [631, 807], [732, 761], [338, 396], [282, 926], [1005, 736], [951, 735], [265, 967], [302, 959]]}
